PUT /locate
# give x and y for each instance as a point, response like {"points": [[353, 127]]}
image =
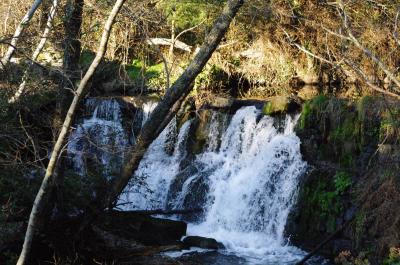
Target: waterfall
{"points": [[99, 139], [253, 185], [245, 178], [102, 137]]}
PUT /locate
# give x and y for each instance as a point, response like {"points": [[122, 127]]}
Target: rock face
{"points": [[145, 229], [280, 104], [351, 176], [202, 242]]}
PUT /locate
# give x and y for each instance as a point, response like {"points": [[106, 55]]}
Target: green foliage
{"points": [[323, 199], [342, 182], [17, 189], [152, 75], [393, 257], [312, 107], [186, 14], [390, 126], [211, 76], [362, 106], [11, 258], [359, 230], [86, 58], [80, 191], [345, 131]]}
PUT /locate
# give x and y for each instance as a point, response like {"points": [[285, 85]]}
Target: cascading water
{"points": [[247, 183], [252, 188], [100, 138], [103, 138], [245, 179]]}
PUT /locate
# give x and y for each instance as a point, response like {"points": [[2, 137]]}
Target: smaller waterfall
{"points": [[99, 139], [149, 188], [103, 136]]}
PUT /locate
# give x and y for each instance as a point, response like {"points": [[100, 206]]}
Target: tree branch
{"points": [[40, 200], [18, 32]]}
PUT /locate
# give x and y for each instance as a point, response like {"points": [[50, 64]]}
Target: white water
{"points": [[100, 138], [246, 179], [157, 173], [252, 183], [253, 188]]}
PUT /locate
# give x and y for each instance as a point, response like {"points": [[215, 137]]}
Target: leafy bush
{"points": [[152, 75], [394, 257]]}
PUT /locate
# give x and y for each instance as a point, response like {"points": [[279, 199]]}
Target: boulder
{"points": [[231, 105], [280, 104], [142, 228], [202, 242]]}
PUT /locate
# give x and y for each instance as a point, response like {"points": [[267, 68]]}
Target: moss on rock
{"points": [[350, 146], [280, 104]]}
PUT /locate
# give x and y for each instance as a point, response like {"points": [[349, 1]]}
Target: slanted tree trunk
{"points": [[18, 32], [45, 188], [173, 98], [37, 51]]}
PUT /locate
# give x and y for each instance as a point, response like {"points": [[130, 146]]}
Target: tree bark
{"points": [[37, 51], [72, 44], [18, 32], [72, 72], [171, 102], [45, 188]]}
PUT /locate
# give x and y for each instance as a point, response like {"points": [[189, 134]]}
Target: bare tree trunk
{"points": [[37, 51], [45, 188], [6, 24], [173, 98], [18, 32], [72, 44], [72, 71]]}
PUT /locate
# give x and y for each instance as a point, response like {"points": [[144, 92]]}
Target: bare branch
{"points": [[367, 52], [46, 187], [369, 82], [18, 32], [37, 51], [395, 33]]}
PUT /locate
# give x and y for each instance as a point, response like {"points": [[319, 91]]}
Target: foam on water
{"points": [[149, 189], [252, 178], [100, 138], [246, 179]]}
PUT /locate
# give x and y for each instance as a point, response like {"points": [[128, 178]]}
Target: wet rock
{"points": [[280, 104], [340, 245], [144, 229], [178, 181], [220, 102], [198, 134], [210, 257], [341, 137], [153, 259], [231, 105], [197, 197], [202, 242]]}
